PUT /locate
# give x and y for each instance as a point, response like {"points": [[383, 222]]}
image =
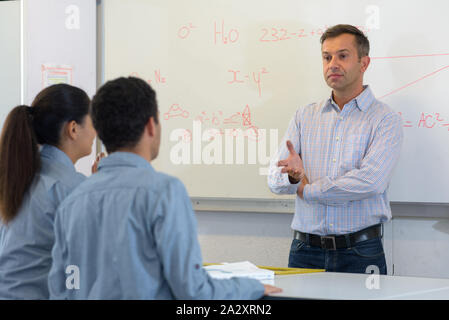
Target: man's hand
{"points": [[293, 164], [97, 160], [271, 289]]}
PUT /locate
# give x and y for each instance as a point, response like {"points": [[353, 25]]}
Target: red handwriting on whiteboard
{"points": [[185, 30], [203, 117], [246, 115], [407, 124], [175, 111], [187, 138], [235, 72], [274, 34], [240, 118], [280, 34], [231, 125], [246, 122], [224, 35], [256, 77], [427, 121], [430, 120], [157, 77]]}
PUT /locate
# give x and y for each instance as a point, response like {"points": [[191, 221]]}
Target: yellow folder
{"points": [[284, 271]]}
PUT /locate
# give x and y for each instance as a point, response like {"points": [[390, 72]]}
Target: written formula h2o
{"points": [[222, 34]]}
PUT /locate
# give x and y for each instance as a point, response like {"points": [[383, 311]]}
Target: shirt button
{"points": [[334, 160], [337, 138]]}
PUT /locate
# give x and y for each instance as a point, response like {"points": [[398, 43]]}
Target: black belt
{"points": [[333, 242]]}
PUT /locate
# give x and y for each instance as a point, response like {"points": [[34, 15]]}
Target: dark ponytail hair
{"points": [[26, 127]]}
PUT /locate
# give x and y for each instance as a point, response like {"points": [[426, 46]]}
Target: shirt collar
{"points": [[363, 101], [55, 154], [126, 159]]}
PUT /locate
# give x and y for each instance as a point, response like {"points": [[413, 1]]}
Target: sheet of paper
{"points": [[54, 73], [240, 269]]}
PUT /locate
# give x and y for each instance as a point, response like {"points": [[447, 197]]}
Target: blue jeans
{"points": [[353, 260]]}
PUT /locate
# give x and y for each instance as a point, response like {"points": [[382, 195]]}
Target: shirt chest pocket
{"points": [[353, 151]]}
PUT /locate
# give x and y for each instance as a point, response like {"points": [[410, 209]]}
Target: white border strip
{"points": [[22, 53], [243, 205]]}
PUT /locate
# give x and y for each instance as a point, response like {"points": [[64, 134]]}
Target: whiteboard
{"points": [[229, 76]]}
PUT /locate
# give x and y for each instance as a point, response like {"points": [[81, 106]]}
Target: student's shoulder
{"points": [[157, 181], [156, 187], [57, 181], [136, 178]]}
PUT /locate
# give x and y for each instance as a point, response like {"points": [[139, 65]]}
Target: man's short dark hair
{"points": [[120, 110], [362, 42]]}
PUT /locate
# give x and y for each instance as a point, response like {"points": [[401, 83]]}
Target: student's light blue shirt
{"points": [[129, 232], [26, 241]]}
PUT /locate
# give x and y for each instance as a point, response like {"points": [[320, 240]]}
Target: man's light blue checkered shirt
{"points": [[348, 157]]}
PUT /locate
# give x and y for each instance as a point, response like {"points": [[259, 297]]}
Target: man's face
{"points": [[342, 68]]}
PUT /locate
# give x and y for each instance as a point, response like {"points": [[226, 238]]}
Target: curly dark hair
{"points": [[121, 109]]}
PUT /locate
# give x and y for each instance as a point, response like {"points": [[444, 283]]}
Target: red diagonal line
{"points": [[414, 56], [416, 81]]}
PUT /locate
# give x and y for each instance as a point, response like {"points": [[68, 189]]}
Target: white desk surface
{"points": [[331, 285]]}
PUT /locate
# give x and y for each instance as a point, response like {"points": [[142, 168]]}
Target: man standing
{"points": [[338, 157]]}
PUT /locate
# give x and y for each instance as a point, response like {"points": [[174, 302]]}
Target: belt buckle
{"points": [[328, 239]]}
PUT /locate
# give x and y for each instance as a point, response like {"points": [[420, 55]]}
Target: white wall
{"points": [[414, 246], [262, 238], [421, 247], [9, 57], [60, 34]]}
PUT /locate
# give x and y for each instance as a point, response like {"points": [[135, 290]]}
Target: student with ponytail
{"points": [[39, 146]]}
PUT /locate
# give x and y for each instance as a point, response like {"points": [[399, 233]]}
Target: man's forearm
{"points": [[304, 182]]}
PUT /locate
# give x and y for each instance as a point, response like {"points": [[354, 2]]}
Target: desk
{"points": [[349, 286]]}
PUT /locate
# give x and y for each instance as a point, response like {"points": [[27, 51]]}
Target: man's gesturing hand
{"points": [[293, 164]]}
